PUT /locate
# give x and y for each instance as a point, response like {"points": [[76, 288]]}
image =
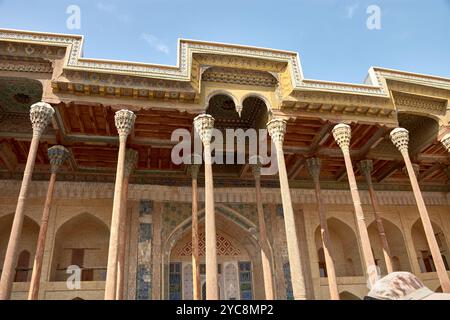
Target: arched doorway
{"points": [[423, 252], [26, 249], [344, 248], [394, 235], [81, 241], [237, 252]]}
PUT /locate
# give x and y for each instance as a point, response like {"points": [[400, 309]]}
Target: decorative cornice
{"points": [[188, 48], [85, 190], [409, 102]]}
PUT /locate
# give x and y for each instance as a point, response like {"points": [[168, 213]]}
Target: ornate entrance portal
{"points": [[237, 254]]}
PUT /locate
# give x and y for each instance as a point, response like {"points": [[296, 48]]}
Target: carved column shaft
{"points": [[57, 156], [277, 129], [314, 170], [204, 125], [40, 115], [365, 167], [342, 135], [196, 284], [400, 138], [264, 242], [131, 158], [124, 120]]}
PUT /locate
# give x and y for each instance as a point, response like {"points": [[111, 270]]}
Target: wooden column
{"points": [[400, 138], [264, 242], [194, 167], [314, 170], [124, 120], [131, 158], [57, 156], [277, 129], [204, 125], [365, 167], [40, 115], [342, 135]]}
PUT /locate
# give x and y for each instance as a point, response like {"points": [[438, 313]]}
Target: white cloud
{"points": [[351, 10], [155, 43]]}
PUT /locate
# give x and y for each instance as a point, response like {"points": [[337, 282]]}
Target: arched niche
{"points": [[425, 260], [27, 245], [255, 110], [396, 242], [82, 241], [344, 248]]}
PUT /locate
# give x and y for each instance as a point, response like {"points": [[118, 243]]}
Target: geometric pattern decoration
{"points": [[224, 247]]}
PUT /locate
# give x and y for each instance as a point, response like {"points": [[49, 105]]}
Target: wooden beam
{"points": [[78, 117], [244, 170], [93, 119], [390, 170], [372, 142], [430, 171], [8, 156], [296, 168], [320, 138]]}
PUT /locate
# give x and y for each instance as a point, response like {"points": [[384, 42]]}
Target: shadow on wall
{"points": [[27, 246]]}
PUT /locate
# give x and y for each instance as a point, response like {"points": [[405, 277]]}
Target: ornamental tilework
{"points": [[174, 213], [287, 281], [225, 247], [144, 269], [247, 210]]}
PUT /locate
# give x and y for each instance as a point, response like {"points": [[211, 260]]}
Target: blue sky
{"points": [[331, 36]]}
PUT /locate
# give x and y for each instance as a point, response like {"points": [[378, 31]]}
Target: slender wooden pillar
{"points": [[196, 284], [277, 129], [57, 156], [40, 115], [264, 241], [131, 158], [204, 125], [342, 135], [124, 120], [314, 170], [400, 138], [365, 167]]}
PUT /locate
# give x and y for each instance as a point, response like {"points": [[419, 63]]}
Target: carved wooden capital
{"points": [[57, 155], [277, 129], [342, 133], [40, 115], [124, 120], [313, 165], [204, 125], [400, 138], [446, 142]]}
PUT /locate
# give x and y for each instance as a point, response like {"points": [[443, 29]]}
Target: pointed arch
{"points": [[27, 245], [344, 247], [83, 241], [228, 221], [422, 249], [396, 242]]}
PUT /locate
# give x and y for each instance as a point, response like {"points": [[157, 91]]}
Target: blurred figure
{"points": [[403, 286]]}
